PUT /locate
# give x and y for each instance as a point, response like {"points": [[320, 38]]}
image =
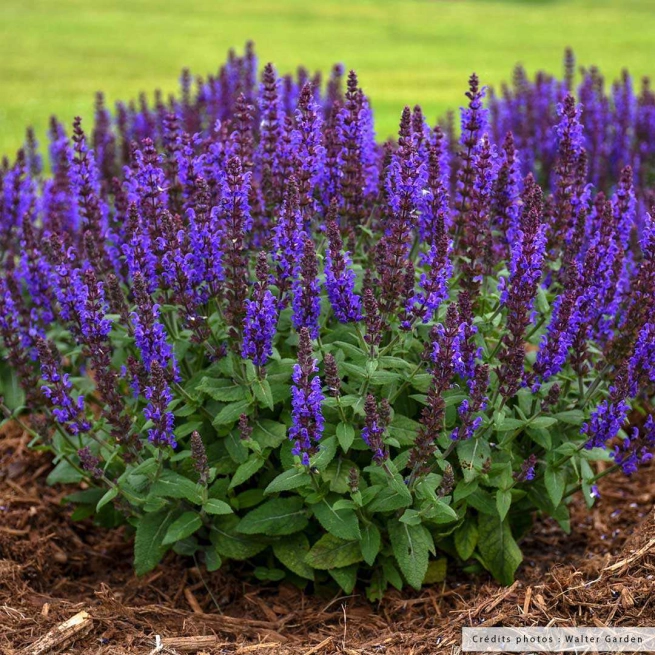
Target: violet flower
{"points": [[306, 399], [159, 396], [68, 411], [261, 318], [339, 277]]}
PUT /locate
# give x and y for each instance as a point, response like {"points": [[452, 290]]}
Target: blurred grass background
{"points": [[54, 54]]}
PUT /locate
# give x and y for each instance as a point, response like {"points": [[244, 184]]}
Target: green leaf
{"points": [[466, 538], [411, 547], [411, 517], [464, 489], [278, 516], [222, 389], [395, 362], [483, 501], [292, 552], [540, 437], [509, 424], [233, 544], [570, 417], [355, 373], [500, 553], [472, 455], [341, 523], [174, 485], [213, 560], [542, 422], [185, 429], [182, 527], [291, 479], [263, 393], [404, 430], [108, 497], [338, 475], [11, 391], [235, 446], [441, 512], [436, 571], [393, 497], [148, 541], [247, 470], [346, 577], [555, 480], [218, 507], [503, 502], [231, 413], [345, 435], [330, 552], [391, 573], [327, 449], [269, 434], [380, 378], [64, 473], [370, 543], [354, 353]]}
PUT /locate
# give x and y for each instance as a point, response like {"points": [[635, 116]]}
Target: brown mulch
{"points": [[52, 568]]}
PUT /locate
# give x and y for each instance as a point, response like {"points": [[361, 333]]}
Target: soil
{"points": [[52, 568]]}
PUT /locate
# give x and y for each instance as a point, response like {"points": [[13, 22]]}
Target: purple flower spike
{"points": [[339, 276], [306, 399], [637, 448], [159, 396], [306, 292], [68, 411], [373, 430], [261, 318]]}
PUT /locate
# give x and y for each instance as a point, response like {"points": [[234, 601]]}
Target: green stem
{"points": [[404, 385], [602, 474], [193, 401]]}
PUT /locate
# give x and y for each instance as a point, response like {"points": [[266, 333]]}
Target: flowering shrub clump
{"points": [[259, 335]]}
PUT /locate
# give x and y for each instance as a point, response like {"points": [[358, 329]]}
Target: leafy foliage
{"points": [[257, 335]]}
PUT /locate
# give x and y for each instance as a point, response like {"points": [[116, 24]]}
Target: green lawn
{"points": [[54, 54]]}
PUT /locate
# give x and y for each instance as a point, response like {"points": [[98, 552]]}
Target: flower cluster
{"points": [[236, 303]]}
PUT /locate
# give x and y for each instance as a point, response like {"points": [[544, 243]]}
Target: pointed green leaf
{"points": [[247, 470], [231, 413], [269, 434], [330, 552], [342, 523], [174, 485], [503, 502], [500, 553], [148, 541], [182, 527], [215, 506], [279, 516], [466, 538], [262, 391], [222, 389], [233, 544], [346, 577], [411, 547], [555, 480], [370, 543], [345, 435], [212, 560], [108, 497], [292, 551], [291, 479]]}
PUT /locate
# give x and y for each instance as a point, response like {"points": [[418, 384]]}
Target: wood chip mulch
{"points": [[68, 587]]}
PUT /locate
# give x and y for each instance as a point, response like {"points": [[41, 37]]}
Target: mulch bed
{"points": [[51, 569]]}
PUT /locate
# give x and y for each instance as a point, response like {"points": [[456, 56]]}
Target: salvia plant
{"points": [[259, 335]]}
